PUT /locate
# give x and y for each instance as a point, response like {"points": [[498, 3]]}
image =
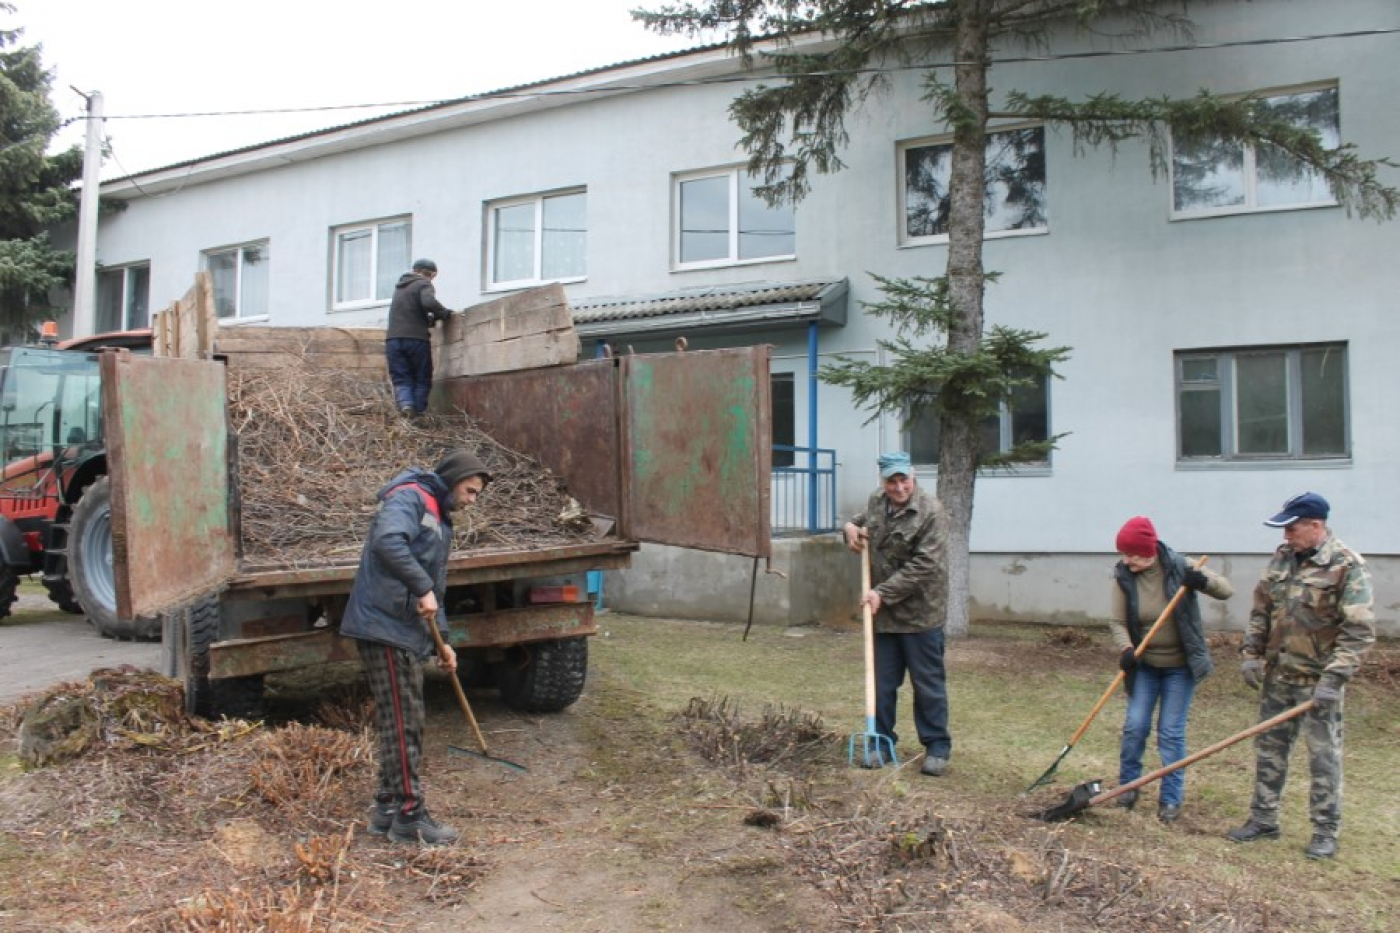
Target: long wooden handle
{"points": [[1191, 759], [868, 621], [1137, 653], [457, 687]]}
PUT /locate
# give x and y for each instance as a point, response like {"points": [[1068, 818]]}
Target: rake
{"points": [[467, 712], [1113, 687], [877, 750]]}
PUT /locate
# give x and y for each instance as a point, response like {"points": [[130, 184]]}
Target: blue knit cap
{"points": [[895, 462]]}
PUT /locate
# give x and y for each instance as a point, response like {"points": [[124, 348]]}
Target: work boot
{"points": [[1252, 832], [381, 816], [406, 413], [1321, 847], [418, 826], [934, 766], [1168, 812], [1127, 801]]}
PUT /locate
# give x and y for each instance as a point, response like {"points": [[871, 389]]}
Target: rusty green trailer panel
{"points": [[167, 452], [697, 442]]}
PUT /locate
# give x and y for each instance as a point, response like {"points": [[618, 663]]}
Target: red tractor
{"points": [[55, 500]]}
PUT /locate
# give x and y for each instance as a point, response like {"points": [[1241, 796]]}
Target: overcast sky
{"points": [[197, 56]]}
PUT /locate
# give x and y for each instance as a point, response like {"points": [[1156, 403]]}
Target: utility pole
{"points": [[85, 278]]}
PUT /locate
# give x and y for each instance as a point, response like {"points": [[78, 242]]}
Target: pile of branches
{"points": [[314, 446], [785, 738]]}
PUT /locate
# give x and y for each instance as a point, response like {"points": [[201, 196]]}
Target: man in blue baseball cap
{"points": [[907, 530], [1312, 621]]}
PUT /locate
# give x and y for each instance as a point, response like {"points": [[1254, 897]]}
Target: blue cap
{"points": [[1307, 505], [895, 462]]}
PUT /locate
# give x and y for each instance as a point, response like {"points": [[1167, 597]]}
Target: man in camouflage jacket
{"points": [[1311, 623], [907, 530]]}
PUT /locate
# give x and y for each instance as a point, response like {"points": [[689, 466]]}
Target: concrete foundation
{"points": [[817, 582]]}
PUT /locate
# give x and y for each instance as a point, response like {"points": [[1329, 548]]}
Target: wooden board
{"points": [[186, 328], [527, 330], [266, 347]]}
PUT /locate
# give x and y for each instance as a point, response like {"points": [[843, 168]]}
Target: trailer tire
{"points": [[545, 676], [232, 697], [61, 594], [90, 567], [9, 589]]}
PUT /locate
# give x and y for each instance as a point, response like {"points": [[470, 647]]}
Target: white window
{"points": [[123, 298], [1266, 403], [1014, 189], [239, 275], [1025, 418], [542, 238], [721, 222], [369, 258], [1210, 177]]}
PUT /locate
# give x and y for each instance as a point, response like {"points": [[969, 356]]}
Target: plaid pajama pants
{"points": [[396, 682]]}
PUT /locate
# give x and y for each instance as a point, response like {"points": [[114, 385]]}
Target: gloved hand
{"points": [[1327, 695], [1253, 671], [1127, 661], [1194, 580]]}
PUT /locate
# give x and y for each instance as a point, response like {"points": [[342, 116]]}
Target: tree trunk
{"points": [[957, 463]]}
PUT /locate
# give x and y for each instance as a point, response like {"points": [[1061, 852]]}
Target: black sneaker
{"points": [[381, 817], [1127, 800], [1169, 812], [418, 826], [1252, 832]]}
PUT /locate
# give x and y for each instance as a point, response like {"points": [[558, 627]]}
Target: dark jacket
{"points": [[414, 308], [405, 556], [908, 562], [1187, 614]]}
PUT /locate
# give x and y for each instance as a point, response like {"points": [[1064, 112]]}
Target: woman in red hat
{"points": [[1164, 675]]}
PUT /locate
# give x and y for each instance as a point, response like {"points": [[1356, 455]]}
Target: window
{"points": [[720, 221], [1274, 403], [538, 239], [1024, 418], [240, 280], [1014, 188], [368, 261], [1213, 177], [783, 417], [123, 298]]}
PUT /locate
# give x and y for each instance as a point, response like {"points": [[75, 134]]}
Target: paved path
{"points": [[40, 647]]}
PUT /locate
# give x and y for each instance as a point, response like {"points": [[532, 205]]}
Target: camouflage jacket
{"points": [[1312, 617], [908, 562]]}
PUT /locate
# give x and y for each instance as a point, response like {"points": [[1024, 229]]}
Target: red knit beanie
{"points": [[1137, 538]]}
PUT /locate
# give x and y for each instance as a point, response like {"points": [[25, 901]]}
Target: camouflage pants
{"points": [[1323, 733]]}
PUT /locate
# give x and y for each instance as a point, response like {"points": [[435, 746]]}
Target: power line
{"points": [[524, 94]]}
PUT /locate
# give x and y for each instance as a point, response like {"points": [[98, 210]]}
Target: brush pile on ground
{"points": [[228, 826], [315, 445]]}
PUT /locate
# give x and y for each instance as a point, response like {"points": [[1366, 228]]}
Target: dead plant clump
{"points": [[1068, 636], [314, 446], [780, 738], [249, 828]]}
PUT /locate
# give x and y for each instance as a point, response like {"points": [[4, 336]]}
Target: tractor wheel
{"points": [[234, 697], [61, 593], [90, 566], [9, 589], [545, 676]]}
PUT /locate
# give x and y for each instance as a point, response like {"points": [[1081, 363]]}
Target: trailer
{"points": [[671, 448]]}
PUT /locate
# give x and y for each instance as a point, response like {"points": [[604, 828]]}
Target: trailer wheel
{"points": [[545, 676], [9, 589], [61, 593], [90, 566], [234, 697]]}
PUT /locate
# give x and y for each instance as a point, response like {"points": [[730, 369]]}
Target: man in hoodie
{"points": [[399, 591], [408, 340]]}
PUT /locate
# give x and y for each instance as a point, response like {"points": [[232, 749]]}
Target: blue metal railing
{"points": [[804, 492]]}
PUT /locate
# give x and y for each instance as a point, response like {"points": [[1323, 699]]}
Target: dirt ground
{"points": [[625, 821]]}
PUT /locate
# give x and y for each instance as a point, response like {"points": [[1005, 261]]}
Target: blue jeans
{"points": [[1173, 686], [411, 371], [921, 655]]}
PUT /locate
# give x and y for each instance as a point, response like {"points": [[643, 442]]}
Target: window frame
{"points": [[207, 255], [1249, 166], [902, 149], [1226, 383], [125, 269], [538, 200], [734, 174], [1005, 440], [374, 227]]}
